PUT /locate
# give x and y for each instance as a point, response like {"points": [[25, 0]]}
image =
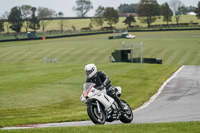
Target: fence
{"points": [[56, 33]]}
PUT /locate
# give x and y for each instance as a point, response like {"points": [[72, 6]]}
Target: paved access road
{"points": [[177, 100]]}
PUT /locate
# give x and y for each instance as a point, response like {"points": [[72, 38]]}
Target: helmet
{"points": [[90, 70]]}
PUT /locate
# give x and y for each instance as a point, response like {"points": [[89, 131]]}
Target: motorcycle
{"points": [[102, 108]]}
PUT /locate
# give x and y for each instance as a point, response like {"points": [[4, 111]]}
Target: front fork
{"points": [[98, 107]]}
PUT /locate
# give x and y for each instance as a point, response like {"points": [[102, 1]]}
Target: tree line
{"points": [[146, 10]]}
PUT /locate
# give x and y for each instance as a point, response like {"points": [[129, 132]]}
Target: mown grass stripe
{"points": [[162, 54], [93, 52], [88, 55], [156, 53], [184, 58], [145, 51], [43, 53], [178, 56], [53, 54], [64, 55], [150, 53], [3, 57], [25, 56], [166, 57], [14, 56], [76, 54], [196, 60], [106, 57], [34, 53], [101, 55], [191, 58], [173, 57]]}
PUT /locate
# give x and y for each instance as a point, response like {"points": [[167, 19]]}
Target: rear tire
{"points": [[126, 116], [97, 118]]}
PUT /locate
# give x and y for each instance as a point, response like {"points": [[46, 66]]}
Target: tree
{"points": [[15, 19], [34, 21], [147, 11], [26, 14], [197, 11], [191, 9], [183, 10], [111, 16], [129, 19], [126, 8], [6, 23], [62, 21], [1, 26], [175, 6], [45, 15], [98, 17], [166, 12], [83, 7]]}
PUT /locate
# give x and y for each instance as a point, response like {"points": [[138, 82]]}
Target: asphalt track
{"points": [[178, 99]]}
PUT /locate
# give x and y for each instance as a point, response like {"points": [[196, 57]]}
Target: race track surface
{"points": [[177, 100]]}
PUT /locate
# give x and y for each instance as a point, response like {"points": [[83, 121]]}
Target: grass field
{"points": [[181, 127], [32, 91]]}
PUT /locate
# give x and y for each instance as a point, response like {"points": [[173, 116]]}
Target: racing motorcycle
{"points": [[101, 107]]}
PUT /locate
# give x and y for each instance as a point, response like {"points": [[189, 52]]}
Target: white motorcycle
{"points": [[101, 107]]}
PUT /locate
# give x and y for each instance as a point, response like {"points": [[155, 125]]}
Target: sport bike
{"points": [[101, 107]]}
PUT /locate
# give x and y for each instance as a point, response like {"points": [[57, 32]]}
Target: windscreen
{"points": [[87, 86]]}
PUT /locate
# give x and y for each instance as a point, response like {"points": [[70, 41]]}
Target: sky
{"points": [[66, 6]]}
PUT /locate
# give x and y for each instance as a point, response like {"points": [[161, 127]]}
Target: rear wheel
{"points": [[126, 116], [95, 116]]}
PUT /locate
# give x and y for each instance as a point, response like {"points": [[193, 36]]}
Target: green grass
{"points": [[32, 91], [179, 127], [50, 92]]}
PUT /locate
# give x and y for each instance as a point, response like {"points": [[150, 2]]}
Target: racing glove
{"points": [[101, 87], [111, 91]]}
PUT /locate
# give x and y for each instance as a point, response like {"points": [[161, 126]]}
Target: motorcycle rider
{"points": [[101, 80]]}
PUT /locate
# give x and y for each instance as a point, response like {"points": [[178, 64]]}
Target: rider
{"points": [[101, 80]]}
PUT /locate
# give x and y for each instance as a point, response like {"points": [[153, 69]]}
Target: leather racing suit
{"points": [[102, 80]]}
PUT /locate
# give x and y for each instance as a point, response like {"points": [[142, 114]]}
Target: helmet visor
{"points": [[88, 72]]}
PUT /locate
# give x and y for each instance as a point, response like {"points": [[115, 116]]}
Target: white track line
{"points": [[159, 91]]}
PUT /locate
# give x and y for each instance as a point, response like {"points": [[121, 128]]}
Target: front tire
{"points": [[95, 116], [126, 116]]}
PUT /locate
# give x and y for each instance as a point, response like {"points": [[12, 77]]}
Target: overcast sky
{"points": [[66, 6]]}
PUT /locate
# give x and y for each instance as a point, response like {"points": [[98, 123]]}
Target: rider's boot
{"points": [[123, 106]]}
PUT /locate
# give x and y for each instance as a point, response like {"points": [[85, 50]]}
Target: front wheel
{"points": [[126, 116], [95, 116]]}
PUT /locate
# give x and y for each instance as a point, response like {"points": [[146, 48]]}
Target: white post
{"points": [[141, 52]]}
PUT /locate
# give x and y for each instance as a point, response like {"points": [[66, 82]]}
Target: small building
{"points": [[126, 55], [32, 34], [123, 55]]}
